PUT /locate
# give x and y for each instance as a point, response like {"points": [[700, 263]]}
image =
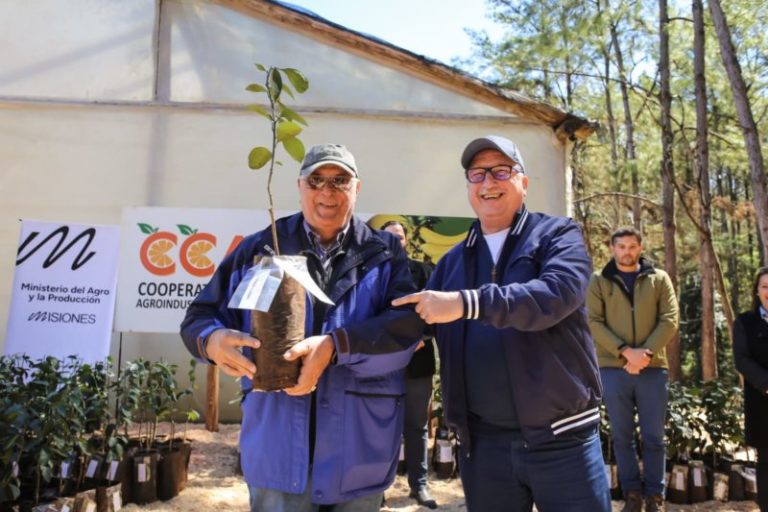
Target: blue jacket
{"points": [[359, 409], [537, 301]]}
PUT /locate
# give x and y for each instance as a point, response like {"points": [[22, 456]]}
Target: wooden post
{"points": [[212, 399]]}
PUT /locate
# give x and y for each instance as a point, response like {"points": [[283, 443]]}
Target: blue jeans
{"points": [[505, 474], [270, 500], [647, 393], [418, 393]]}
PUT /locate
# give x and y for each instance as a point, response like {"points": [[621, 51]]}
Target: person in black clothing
{"points": [[418, 389], [750, 353]]}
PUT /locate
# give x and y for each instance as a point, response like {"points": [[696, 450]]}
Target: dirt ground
{"points": [[213, 485]]}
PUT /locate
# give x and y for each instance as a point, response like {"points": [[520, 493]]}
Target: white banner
{"points": [[63, 295], [167, 255]]}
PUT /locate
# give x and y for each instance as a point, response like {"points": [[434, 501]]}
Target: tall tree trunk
{"points": [[667, 173], [706, 254], [629, 155], [611, 121], [746, 120]]}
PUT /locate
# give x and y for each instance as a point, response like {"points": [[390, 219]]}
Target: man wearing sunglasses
{"points": [[519, 375], [331, 442]]}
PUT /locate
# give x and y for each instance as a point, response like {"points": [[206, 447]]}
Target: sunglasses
{"points": [[499, 173], [343, 183]]}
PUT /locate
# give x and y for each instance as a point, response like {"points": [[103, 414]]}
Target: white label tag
{"points": [[93, 464], [750, 479], [142, 473], [64, 469], [117, 502], [402, 451], [112, 472], [720, 492], [697, 477], [446, 451], [679, 481], [14, 469]]}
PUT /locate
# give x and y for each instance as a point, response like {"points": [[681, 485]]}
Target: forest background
{"points": [[678, 95]]}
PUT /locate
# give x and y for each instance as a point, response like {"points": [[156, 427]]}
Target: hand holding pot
{"points": [[223, 348], [316, 353]]}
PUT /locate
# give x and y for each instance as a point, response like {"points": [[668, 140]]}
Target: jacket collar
{"points": [[293, 237], [611, 270], [518, 223]]}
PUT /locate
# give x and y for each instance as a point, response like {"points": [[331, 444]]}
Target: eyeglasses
{"points": [[343, 183], [499, 172]]}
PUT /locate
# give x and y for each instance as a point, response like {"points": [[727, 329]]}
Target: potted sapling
{"points": [[276, 283]]}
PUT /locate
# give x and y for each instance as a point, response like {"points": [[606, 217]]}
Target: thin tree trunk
{"points": [[630, 158], [667, 172], [746, 120], [706, 255], [611, 121]]}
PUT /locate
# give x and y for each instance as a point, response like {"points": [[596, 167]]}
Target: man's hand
{"points": [[435, 307], [637, 359], [316, 353], [223, 348]]}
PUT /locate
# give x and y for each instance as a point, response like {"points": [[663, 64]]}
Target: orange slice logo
{"points": [[154, 253], [193, 254]]}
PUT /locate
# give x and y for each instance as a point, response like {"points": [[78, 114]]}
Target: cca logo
{"points": [[157, 250]]}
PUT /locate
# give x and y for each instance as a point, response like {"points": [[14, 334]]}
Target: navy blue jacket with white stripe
{"points": [[537, 301]]}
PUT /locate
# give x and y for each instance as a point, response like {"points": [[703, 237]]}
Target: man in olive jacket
{"points": [[633, 314]]}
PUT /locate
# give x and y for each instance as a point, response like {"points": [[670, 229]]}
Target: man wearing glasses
{"points": [[330, 443], [518, 370]]}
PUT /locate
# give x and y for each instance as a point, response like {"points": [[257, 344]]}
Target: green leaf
{"points": [[295, 148], [290, 114], [274, 83], [260, 67], [259, 109], [297, 79], [258, 157], [286, 130], [288, 90], [186, 230], [256, 88], [147, 229]]}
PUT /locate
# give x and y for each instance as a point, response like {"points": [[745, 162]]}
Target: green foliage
{"points": [[562, 52], [703, 419], [723, 408], [685, 425], [52, 411], [284, 122]]}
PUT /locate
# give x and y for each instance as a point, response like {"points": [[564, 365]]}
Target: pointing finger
{"points": [[413, 298]]}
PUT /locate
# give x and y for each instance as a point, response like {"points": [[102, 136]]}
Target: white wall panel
{"points": [[77, 49], [213, 49]]}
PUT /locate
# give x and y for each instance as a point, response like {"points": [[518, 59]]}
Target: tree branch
{"points": [[619, 194]]}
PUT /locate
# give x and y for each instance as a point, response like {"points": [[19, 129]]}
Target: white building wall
{"points": [[82, 134], [89, 50]]}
